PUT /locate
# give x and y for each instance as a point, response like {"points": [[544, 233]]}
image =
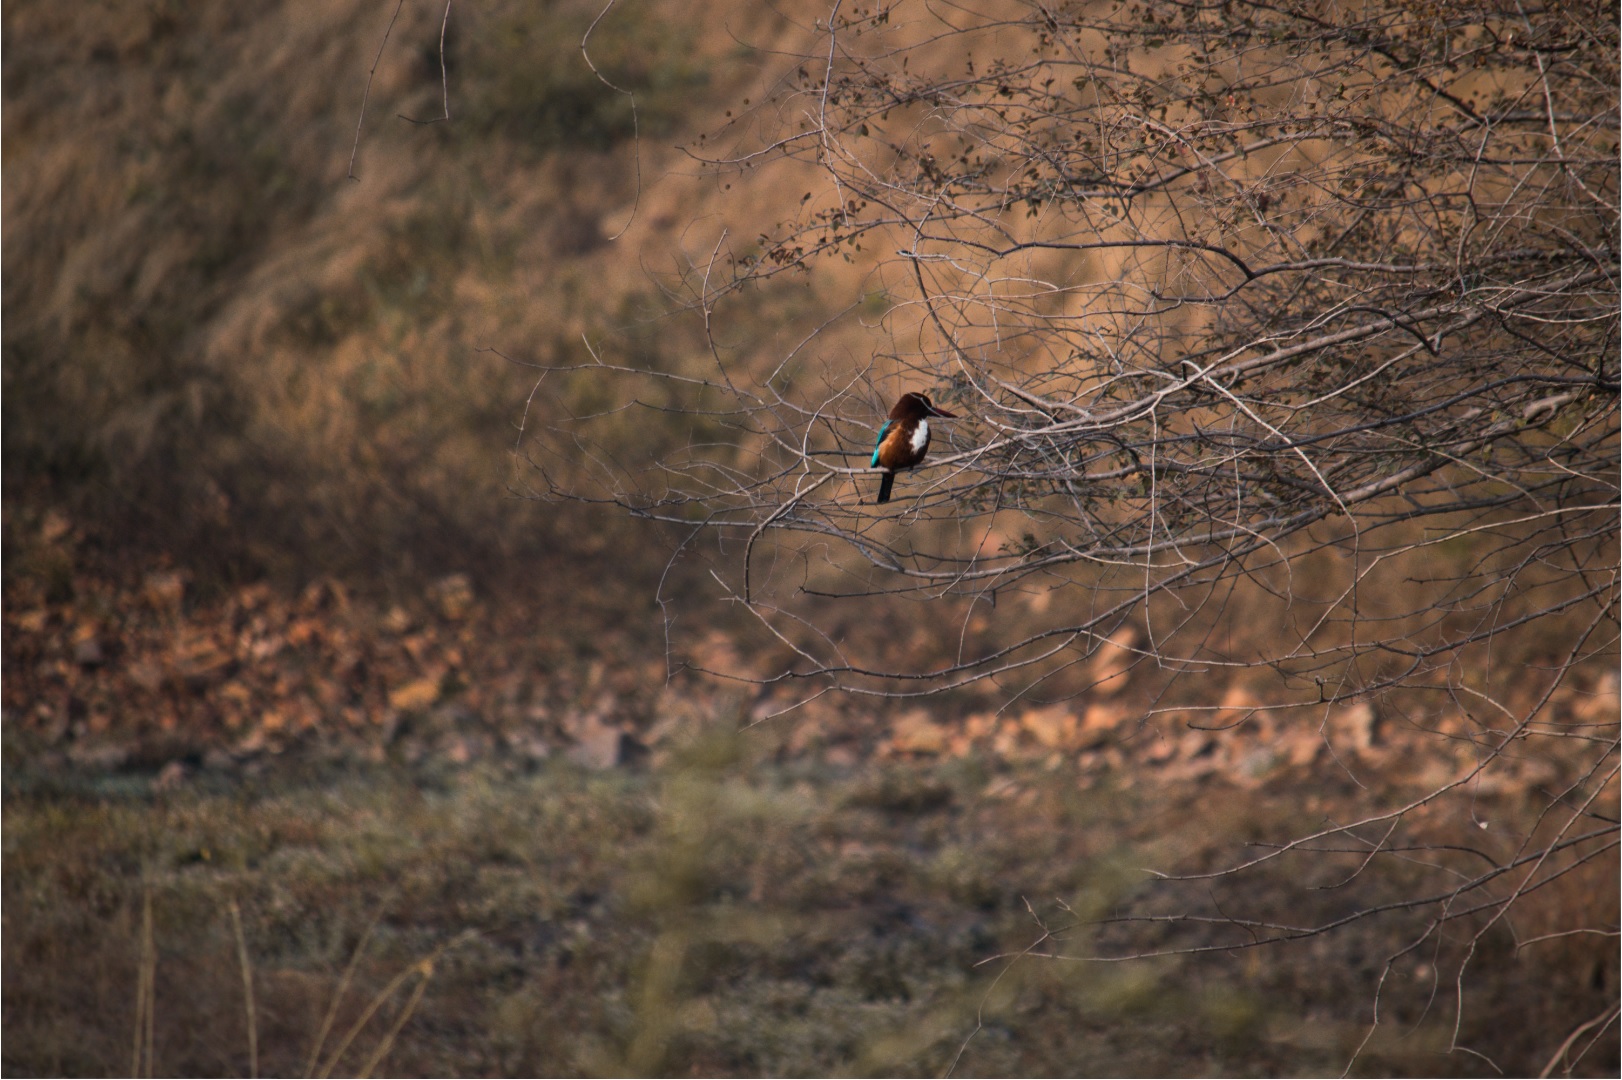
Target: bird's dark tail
{"points": [[884, 487]]}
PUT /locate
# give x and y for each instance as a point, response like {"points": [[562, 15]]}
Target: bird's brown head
{"points": [[916, 407]]}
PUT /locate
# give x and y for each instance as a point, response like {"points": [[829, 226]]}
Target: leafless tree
{"points": [[1312, 304]]}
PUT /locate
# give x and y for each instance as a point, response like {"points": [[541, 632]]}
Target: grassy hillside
{"points": [[221, 346]]}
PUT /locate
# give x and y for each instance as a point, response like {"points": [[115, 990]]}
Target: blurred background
{"points": [[329, 746], [222, 349]]}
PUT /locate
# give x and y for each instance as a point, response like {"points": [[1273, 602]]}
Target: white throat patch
{"points": [[920, 437]]}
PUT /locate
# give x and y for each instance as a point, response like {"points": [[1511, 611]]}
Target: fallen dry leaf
{"points": [[414, 695]]}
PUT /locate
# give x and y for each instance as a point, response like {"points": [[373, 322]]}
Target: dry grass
{"points": [[221, 348], [719, 915]]}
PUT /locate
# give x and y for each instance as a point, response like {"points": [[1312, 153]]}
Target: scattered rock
{"points": [[980, 725], [171, 776], [164, 589], [98, 755], [599, 744], [916, 732], [1302, 745], [1053, 726], [452, 596], [1197, 744], [717, 653], [87, 652], [457, 749], [1161, 748], [33, 621], [144, 674], [1111, 666], [1601, 705], [528, 746], [1254, 766], [1239, 707], [807, 734], [1098, 725], [54, 527], [414, 695], [397, 621], [1353, 726], [841, 757]]}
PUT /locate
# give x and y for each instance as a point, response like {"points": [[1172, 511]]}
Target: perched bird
{"points": [[904, 438]]}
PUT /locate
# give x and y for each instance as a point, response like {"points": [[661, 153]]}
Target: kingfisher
{"points": [[904, 439]]}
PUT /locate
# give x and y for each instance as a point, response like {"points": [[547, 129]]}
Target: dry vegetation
{"points": [[304, 697], [722, 915]]}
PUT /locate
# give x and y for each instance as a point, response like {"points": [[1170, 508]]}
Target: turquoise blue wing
{"points": [[883, 431]]}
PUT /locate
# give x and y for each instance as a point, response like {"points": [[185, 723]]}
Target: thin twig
{"points": [[444, 74], [636, 125], [370, 75], [145, 986], [338, 996], [247, 988]]}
